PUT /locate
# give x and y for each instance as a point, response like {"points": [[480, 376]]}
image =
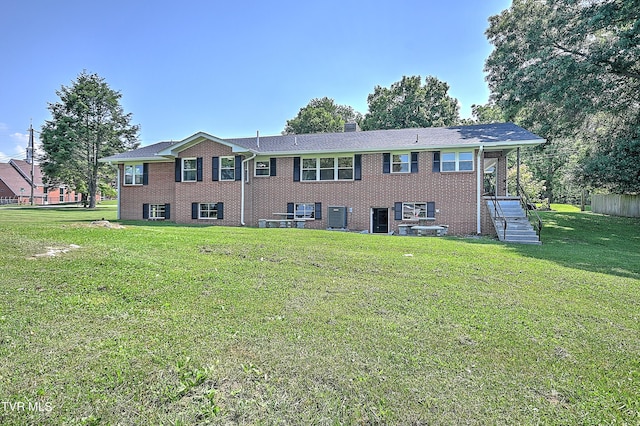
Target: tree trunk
{"points": [[93, 186]]}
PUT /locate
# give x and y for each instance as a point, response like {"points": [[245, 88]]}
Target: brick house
{"points": [[15, 186], [372, 181]]}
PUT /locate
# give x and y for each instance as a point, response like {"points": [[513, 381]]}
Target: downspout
{"points": [[118, 185], [117, 188], [242, 184], [479, 190]]}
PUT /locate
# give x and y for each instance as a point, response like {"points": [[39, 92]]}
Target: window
{"points": [[133, 174], [208, 211], [327, 169], [61, 194], [456, 161], [304, 211], [415, 211], [189, 169], [345, 168], [400, 163], [227, 168], [263, 168], [157, 211], [465, 161]]}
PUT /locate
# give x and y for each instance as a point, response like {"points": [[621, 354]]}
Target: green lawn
{"points": [[165, 324]]}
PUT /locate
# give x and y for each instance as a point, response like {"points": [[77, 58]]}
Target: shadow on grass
{"points": [[588, 241]]}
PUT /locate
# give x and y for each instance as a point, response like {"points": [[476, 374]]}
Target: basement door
{"points": [[380, 220]]}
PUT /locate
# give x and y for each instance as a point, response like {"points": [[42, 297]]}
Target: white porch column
{"points": [[479, 190]]}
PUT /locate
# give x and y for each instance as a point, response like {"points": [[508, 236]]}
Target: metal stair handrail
{"points": [[496, 207], [524, 201]]}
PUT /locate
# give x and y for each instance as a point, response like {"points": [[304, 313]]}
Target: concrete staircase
{"points": [[518, 228]]}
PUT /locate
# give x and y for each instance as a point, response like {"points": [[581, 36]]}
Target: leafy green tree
{"points": [[614, 165], [484, 114], [532, 187], [408, 103], [87, 123], [558, 63], [321, 115]]}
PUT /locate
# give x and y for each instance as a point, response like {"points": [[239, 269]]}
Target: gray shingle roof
{"points": [[432, 138], [146, 152], [376, 140]]}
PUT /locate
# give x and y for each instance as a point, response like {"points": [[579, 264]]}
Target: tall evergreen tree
{"points": [[87, 123]]}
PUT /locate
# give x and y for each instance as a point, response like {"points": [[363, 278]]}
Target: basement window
{"points": [[157, 211], [208, 211]]}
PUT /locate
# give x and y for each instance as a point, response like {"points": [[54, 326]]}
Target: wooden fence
{"points": [[616, 205]]}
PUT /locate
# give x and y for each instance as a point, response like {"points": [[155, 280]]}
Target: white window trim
{"points": [[336, 168], [313, 211], [185, 170], [408, 206], [457, 161], [408, 163], [209, 204], [153, 213], [268, 168], [133, 175], [233, 168]]}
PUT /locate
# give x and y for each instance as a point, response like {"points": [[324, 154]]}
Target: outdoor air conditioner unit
{"points": [[337, 217]]}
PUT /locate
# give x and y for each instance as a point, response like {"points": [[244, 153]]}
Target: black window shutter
{"points": [[145, 211], [436, 162], [238, 167], [414, 162], [397, 211], [167, 211], [215, 168], [199, 169], [290, 210], [296, 169], [431, 209], [318, 212], [220, 207], [357, 167], [145, 173], [194, 210], [272, 166], [386, 163], [178, 169]]}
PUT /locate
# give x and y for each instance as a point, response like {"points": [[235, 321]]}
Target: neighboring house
{"points": [[356, 180], [15, 186]]}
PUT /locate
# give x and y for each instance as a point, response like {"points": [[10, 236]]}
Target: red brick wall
{"points": [[454, 194], [160, 190]]}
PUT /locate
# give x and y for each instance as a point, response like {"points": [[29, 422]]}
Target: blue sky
{"points": [[232, 68]]}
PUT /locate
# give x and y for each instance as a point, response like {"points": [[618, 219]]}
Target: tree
{"points": [[321, 115], [532, 188], [484, 114], [407, 103], [87, 123], [557, 64]]}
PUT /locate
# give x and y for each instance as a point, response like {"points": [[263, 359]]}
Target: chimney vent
{"points": [[351, 127]]}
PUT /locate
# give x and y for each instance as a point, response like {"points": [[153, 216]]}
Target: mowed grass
{"points": [[178, 325]]}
